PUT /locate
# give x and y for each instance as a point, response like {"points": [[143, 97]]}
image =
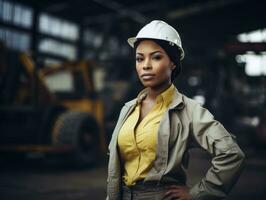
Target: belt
{"points": [[141, 183]]}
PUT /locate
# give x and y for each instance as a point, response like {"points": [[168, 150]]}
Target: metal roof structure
{"points": [[204, 25]]}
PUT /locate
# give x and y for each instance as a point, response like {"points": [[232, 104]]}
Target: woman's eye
{"points": [[139, 59], [157, 57]]}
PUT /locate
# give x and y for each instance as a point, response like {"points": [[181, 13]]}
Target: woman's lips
{"points": [[147, 76]]}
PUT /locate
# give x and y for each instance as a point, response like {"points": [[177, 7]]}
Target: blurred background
{"points": [[66, 70]]}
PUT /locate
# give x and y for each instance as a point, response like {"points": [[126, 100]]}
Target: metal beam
{"points": [[56, 7], [102, 18], [123, 11], [200, 7]]}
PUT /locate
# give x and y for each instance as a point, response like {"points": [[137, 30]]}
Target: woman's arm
{"points": [[227, 157]]}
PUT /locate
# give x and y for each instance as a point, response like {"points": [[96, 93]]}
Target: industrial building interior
{"points": [[66, 68]]}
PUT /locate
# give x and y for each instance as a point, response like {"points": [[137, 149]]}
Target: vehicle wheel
{"points": [[80, 130], [49, 118]]}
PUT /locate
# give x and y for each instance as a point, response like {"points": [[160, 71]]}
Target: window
{"points": [[16, 40], [21, 16], [58, 27], [60, 82], [58, 48], [92, 38], [255, 64], [254, 36], [13, 13]]}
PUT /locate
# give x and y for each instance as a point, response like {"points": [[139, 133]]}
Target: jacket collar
{"points": [[177, 102]]}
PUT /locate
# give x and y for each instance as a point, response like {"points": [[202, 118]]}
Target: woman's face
{"points": [[153, 65]]}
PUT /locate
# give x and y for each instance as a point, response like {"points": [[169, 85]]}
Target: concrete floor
{"points": [[38, 180]]}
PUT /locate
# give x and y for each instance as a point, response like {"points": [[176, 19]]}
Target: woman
{"points": [[150, 143]]}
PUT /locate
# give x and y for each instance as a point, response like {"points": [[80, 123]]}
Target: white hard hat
{"points": [[160, 30]]}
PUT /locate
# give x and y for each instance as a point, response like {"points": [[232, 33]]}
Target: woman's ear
{"points": [[172, 66]]}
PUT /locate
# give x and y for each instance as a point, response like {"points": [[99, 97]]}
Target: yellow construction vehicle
{"points": [[53, 109]]}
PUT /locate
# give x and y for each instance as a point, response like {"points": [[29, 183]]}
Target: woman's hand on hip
{"points": [[177, 192]]}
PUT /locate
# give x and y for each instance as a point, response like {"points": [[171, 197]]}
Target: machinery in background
{"points": [[53, 109]]}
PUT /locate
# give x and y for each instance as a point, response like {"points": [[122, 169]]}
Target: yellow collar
{"points": [[165, 96]]}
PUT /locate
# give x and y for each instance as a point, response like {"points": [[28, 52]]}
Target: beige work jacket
{"points": [[184, 125]]}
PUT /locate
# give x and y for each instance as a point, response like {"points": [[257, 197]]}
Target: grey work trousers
{"points": [[143, 192]]}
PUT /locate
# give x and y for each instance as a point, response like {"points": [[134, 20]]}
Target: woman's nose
{"points": [[147, 65]]}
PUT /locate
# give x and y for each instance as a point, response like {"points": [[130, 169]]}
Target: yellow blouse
{"points": [[137, 144]]}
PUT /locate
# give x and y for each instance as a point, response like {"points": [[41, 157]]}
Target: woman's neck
{"points": [[153, 92]]}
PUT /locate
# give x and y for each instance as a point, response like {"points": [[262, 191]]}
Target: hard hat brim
{"points": [[131, 41]]}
